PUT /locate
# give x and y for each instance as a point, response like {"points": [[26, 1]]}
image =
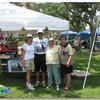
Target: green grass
{"points": [[92, 89]]}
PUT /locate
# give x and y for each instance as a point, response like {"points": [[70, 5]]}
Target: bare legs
{"points": [[67, 82], [38, 76], [28, 76]]}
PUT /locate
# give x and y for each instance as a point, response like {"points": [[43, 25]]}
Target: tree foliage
{"points": [[78, 14]]}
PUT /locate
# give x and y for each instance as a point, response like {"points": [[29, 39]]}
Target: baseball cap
{"points": [[29, 35], [51, 39], [40, 31]]}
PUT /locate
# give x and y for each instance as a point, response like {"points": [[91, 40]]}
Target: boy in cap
{"points": [[40, 44]]}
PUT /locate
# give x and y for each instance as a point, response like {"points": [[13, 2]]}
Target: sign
{"points": [[14, 65]]}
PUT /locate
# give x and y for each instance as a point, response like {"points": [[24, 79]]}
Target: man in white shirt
{"points": [[40, 44]]}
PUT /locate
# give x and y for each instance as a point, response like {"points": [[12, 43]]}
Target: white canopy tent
{"points": [[14, 18]]}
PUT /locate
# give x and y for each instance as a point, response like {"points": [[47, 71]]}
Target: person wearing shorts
{"points": [[40, 44], [65, 54], [28, 59]]}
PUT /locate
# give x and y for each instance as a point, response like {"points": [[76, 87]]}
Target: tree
{"points": [[78, 14], [62, 11], [28, 5]]}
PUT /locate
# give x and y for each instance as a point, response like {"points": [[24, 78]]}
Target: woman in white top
{"points": [[52, 61], [28, 59]]}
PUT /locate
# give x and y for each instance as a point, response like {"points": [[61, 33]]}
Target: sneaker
{"points": [[37, 83], [48, 86], [29, 86], [43, 83], [57, 87]]}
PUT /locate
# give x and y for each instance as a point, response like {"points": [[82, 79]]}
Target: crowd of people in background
{"points": [[44, 55]]}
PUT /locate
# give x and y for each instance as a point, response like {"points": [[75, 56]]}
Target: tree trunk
{"points": [[92, 31]]}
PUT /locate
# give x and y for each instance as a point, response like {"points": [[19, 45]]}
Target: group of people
{"points": [[42, 55]]}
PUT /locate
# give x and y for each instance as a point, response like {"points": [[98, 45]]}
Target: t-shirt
{"points": [[29, 51], [52, 55], [40, 45], [64, 53]]}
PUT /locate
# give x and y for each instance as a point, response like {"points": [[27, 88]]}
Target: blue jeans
{"points": [[53, 71]]}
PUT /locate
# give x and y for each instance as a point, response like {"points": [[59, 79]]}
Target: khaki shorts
{"points": [[29, 64]]}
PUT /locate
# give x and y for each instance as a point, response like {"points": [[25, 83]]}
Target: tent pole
{"points": [[67, 36], [90, 54]]}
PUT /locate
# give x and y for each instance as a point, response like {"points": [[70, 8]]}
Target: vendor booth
{"points": [[14, 18]]}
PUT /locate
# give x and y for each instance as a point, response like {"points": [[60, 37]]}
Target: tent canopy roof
{"points": [[68, 32], [14, 18], [87, 32]]}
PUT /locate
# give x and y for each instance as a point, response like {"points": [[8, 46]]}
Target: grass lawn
{"points": [[92, 89]]}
